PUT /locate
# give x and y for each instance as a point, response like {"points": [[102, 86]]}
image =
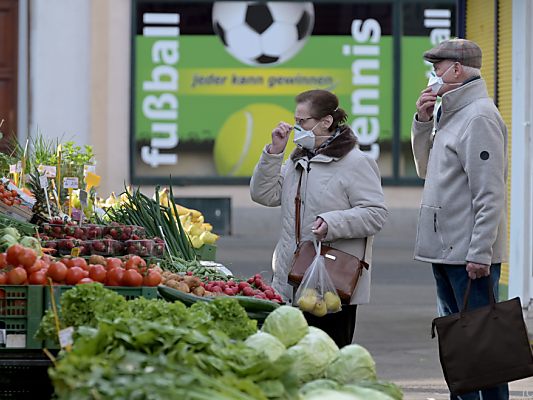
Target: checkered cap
{"points": [[463, 51]]}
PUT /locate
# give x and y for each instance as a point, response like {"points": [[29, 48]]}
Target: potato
{"points": [[182, 286], [95, 259], [199, 291]]}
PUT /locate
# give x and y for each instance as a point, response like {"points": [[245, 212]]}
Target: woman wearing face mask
{"points": [[342, 200]]}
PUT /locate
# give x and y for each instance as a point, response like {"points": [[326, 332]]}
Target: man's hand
{"points": [[477, 270], [320, 229], [280, 137], [425, 105]]}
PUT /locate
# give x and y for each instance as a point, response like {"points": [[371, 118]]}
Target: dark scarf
{"points": [[338, 147]]}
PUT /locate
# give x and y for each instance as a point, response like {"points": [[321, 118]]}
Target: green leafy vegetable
{"points": [[353, 364], [313, 354], [286, 323], [267, 344]]}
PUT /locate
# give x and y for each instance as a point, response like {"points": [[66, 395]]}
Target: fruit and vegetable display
{"points": [[152, 349], [148, 318]]}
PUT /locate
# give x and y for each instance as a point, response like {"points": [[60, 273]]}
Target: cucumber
{"points": [[256, 305], [171, 294]]}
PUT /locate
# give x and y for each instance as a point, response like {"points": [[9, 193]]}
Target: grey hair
{"points": [[471, 72]]}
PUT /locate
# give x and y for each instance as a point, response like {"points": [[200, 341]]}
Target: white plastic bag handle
{"points": [[318, 246]]}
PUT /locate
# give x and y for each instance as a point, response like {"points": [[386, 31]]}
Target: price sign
{"points": [[13, 169], [70, 183], [19, 167], [65, 336], [43, 180], [48, 170]]}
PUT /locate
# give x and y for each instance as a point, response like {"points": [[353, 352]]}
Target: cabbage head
{"points": [[31, 243], [312, 355], [365, 393], [353, 364], [287, 323], [318, 384], [267, 344]]}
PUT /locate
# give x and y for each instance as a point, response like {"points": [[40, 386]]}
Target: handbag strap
{"points": [[297, 227], [297, 210], [492, 300]]}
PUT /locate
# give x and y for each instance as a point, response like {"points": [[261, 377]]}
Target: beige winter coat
{"points": [[464, 162], [341, 185]]}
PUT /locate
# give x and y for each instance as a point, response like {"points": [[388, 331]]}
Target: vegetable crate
{"points": [[21, 310], [16, 375]]}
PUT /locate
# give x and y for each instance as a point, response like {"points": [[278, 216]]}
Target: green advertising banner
{"points": [[211, 80]]}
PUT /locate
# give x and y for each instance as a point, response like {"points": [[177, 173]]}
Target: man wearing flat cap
{"points": [[461, 152]]}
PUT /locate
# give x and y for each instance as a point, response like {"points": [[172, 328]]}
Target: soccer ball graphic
{"points": [[263, 33]]}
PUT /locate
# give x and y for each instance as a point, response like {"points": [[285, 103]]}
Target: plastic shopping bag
{"points": [[317, 294]]}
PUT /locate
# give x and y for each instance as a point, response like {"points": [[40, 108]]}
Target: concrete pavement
{"points": [[395, 326]]}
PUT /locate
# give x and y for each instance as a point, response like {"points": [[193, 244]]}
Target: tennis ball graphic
{"points": [[243, 136]]}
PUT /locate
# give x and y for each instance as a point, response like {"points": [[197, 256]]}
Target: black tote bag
{"points": [[484, 347]]}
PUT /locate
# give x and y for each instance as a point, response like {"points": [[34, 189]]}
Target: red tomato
{"points": [[79, 262], [3, 260], [47, 258], [113, 262], [85, 280], [132, 278], [16, 276], [114, 277], [136, 263], [74, 275], [37, 266], [97, 273], [27, 257], [37, 278], [12, 254], [152, 278], [57, 271], [3, 278], [67, 261]]}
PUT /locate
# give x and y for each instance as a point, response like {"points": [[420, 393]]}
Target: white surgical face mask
{"points": [[303, 138], [436, 83]]}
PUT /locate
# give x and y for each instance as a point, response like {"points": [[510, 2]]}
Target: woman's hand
{"points": [[320, 229], [425, 105], [280, 137]]}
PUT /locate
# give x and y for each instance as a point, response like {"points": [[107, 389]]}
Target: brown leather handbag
{"points": [[344, 269]]}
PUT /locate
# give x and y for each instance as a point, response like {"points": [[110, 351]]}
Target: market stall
{"points": [[122, 298]]}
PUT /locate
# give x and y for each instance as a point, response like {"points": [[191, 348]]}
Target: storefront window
{"points": [[210, 80]]}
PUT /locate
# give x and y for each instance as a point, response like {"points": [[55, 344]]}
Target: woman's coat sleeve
{"points": [[368, 212], [267, 179]]}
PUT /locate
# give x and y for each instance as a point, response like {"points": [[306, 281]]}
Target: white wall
{"points": [[59, 69], [521, 248]]}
